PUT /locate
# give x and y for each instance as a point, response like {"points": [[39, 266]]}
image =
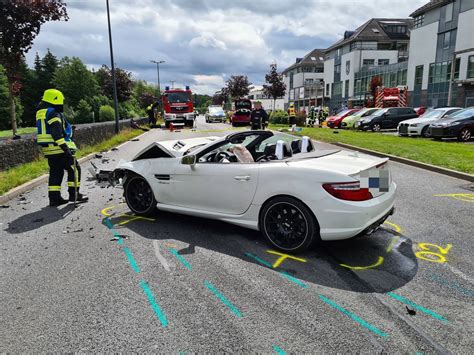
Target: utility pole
{"points": [[158, 74], [172, 83], [114, 80]]}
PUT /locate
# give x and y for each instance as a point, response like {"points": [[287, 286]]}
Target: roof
{"points": [[315, 57], [433, 4], [374, 30]]}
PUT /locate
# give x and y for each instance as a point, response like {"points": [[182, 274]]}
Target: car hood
{"points": [[420, 120], [333, 118], [445, 120], [342, 162]]}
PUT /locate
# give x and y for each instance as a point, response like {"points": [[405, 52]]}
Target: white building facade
{"points": [[441, 63], [268, 104]]}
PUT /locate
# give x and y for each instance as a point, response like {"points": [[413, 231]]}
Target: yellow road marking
{"points": [[396, 226], [392, 243], [378, 263], [461, 197], [283, 257], [438, 257]]}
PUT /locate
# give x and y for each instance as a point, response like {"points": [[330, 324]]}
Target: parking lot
{"points": [[97, 278]]}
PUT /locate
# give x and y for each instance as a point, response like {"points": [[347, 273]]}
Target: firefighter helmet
{"points": [[53, 96]]}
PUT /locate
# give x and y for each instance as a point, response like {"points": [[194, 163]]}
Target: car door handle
{"points": [[242, 178]]}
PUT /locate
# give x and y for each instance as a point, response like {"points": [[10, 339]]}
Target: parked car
{"points": [[419, 126], [386, 118], [458, 125], [351, 121], [241, 116], [215, 114], [254, 179], [336, 120], [421, 110]]}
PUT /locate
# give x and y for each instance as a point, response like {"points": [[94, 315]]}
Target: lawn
{"points": [[23, 173], [20, 131], [448, 154]]}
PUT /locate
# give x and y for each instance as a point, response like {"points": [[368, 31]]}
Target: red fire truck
{"points": [[391, 97], [178, 107]]}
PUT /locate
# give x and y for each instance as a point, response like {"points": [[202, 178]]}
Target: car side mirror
{"points": [[189, 160]]}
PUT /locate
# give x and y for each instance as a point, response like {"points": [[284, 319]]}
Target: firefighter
{"points": [[258, 117], [54, 135], [292, 114], [312, 116], [151, 114]]}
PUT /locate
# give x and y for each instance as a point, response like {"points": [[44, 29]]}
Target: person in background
{"points": [[258, 117], [292, 114]]}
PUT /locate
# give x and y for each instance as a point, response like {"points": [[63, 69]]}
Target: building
{"points": [[267, 103], [443, 34], [305, 81], [377, 48]]}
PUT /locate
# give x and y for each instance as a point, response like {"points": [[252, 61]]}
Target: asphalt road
{"points": [[176, 284]]}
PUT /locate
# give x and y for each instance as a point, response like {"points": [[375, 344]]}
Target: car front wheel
{"points": [[425, 132], [464, 135], [288, 224], [139, 195], [376, 127]]}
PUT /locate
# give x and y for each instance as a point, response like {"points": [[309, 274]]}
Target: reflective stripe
{"points": [[54, 188], [54, 119], [71, 184], [51, 150], [60, 141], [71, 145]]}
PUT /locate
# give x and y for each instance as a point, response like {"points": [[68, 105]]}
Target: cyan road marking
{"points": [[131, 260], [109, 224], [414, 305], [278, 350], [180, 258], [453, 285], [151, 299], [223, 299], [353, 316], [284, 273]]}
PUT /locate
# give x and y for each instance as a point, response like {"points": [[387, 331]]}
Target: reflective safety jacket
{"points": [[45, 119], [292, 112]]}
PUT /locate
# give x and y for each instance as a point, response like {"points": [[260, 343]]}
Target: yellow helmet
{"points": [[53, 96], [292, 104]]}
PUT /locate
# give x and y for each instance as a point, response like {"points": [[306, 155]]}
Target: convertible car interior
{"points": [[256, 146]]}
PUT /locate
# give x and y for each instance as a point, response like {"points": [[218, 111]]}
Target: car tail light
{"points": [[349, 191]]}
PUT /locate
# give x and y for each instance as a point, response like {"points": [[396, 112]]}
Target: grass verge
{"points": [[21, 174], [20, 131], [447, 154]]}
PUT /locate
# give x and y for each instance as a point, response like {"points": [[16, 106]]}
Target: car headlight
{"points": [[414, 125]]}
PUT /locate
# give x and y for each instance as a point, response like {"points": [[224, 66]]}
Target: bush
{"points": [[301, 119], [106, 113], [83, 112], [279, 117]]}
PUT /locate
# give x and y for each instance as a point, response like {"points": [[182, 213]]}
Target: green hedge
{"points": [[106, 113], [279, 117]]}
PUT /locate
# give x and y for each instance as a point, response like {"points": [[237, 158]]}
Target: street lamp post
{"points": [[172, 83], [158, 74], [113, 71]]}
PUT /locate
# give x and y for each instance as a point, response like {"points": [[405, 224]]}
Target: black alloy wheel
{"points": [[139, 195], [464, 135], [288, 224], [376, 127], [425, 132]]}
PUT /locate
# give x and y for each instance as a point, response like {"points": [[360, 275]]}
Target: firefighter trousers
{"points": [[57, 164]]}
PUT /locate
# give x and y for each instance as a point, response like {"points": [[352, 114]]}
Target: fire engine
{"points": [[178, 107], [391, 97]]}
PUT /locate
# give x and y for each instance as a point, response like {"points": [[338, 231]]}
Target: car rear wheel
{"points": [[376, 127], [139, 196], [425, 132], [464, 135], [288, 224]]}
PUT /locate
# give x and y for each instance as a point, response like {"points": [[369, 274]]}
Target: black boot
{"points": [[80, 197], [57, 201]]}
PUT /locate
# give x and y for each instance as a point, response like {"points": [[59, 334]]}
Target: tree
{"points": [[83, 112], [75, 81], [49, 65], [276, 87], [123, 80], [238, 86], [146, 99], [4, 99], [20, 23]]}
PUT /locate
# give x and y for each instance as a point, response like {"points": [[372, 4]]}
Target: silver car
{"points": [[419, 126]]}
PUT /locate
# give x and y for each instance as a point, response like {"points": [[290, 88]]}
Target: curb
{"points": [[436, 169], [15, 192]]}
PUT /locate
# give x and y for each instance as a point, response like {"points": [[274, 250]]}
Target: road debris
{"points": [[78, 230], [114, 149], [4, 206], [411, 312], [98, 156]]}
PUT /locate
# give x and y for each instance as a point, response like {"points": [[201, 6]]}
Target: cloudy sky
{"points": [[205, 41]]}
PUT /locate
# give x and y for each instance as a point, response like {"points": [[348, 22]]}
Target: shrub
{"points": [[300, 119], [279, 117], [83, 112], [106, 113]]}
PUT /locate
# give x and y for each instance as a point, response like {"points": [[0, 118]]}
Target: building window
{"points": [[470, 67], [457, 65], [447, 40], [338, 53], [327, 89], [383, 62], [419, 21], [403, 80], [337, 69], [431, 73], [346, 89], [291, 80], [419, 75], [368, 62], [448, 16]]}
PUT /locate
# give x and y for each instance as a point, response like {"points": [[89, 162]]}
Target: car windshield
{"points": [[466, 113], [365, 112], [380, 112], [178, 97], [342, 113], [434, 114], [217, 111]]}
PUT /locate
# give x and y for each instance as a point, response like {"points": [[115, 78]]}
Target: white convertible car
{"points": [[281, 186]]}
